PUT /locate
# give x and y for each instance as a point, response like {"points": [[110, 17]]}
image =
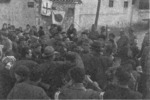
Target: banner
{"points": [[46, 7], [58, 17]]}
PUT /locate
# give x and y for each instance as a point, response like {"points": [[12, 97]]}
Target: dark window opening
{"points": [[53, 8], [125, 4], [111, 3], [30, 4], [144, 4], [70, 12], [5, 1]]}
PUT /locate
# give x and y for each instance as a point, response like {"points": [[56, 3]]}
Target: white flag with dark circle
{"points": [[58, 17]]}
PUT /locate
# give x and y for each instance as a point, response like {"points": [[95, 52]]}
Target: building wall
{"points": [[117, 16], [17, 13]]}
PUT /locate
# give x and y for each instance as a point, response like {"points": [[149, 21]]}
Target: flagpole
{"points": [[97, 13], [131, 17]]}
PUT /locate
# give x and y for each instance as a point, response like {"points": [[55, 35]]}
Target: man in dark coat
{"points": [[48, 69], [41, 32], [71, 33], [24, 89], [123, 40], [75, 89], [93, 35], [96, 64], [145, 61], [145, 42], [121, 90], [6, 81]]}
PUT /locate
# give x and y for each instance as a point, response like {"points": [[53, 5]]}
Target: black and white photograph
{"points": [[74, 50]]}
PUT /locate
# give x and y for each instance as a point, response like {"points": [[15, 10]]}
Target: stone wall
{"points": [[17, 13]]}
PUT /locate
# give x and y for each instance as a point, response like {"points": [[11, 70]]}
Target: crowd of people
{"points": [[66, 65]]}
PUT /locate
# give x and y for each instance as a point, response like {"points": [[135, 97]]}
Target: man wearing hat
{"points": [[94, 64], [48, 68], [49, 53]]}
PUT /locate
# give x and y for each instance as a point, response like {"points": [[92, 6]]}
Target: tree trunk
{"points": [[97, 13]]}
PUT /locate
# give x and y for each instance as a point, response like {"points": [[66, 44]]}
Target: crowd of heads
{"points": [[36, 45]]}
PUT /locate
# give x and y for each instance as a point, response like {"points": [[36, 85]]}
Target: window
{"points": [[111, 3], [144, 5], [30, 4], [54, 8], [5, 1], [71, 11], [125, 4]]}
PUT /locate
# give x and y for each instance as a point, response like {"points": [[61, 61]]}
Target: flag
{"points": [[58, 17], [46, 7]]}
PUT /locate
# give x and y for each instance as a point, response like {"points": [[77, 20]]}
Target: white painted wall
{"points": [[117, 16], [17, 13]]}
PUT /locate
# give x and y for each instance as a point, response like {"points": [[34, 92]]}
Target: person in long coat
{"points": [[145, 61], [121, 90], [6, 81], [96, 64]]}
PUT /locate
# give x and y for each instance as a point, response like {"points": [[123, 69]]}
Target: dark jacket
{"points": [[53, 73], [78, 91], [6, 82], [25, 90], [96, 66], [41, 33], [145, 60], [122, 93]]}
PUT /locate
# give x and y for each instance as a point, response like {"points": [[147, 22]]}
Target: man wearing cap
{"points": [[47, 68], [49, 53], [94, 63]]}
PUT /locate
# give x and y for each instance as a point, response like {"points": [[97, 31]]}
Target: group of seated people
{"points": [[68, 65]]}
